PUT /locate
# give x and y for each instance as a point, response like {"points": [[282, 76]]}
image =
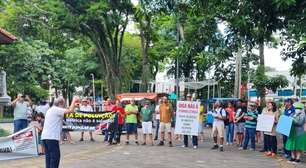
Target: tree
{"points": [[279, 81]]}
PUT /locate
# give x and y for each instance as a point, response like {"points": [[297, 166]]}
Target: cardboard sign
{"points": [[265, 123], [284, 125], [187, 118]]}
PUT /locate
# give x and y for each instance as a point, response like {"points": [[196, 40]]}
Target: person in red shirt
{"points": [[230, 110], [119, 116]]}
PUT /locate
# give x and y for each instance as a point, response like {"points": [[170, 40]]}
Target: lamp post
{"points": [[50, 87], [93, 90]]}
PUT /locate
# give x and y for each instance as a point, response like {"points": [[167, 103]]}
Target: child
{"points": [[40, 118]]}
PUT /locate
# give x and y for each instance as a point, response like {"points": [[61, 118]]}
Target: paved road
{"points": [[97, 154]]}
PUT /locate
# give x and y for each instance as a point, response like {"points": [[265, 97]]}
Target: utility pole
{"points": [[93, 91]]}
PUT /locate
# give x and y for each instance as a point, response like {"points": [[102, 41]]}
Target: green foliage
{"points": [[276, 82], [4, 133]]}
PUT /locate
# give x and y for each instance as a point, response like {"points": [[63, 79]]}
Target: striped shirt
{"points": [[251, 123]]}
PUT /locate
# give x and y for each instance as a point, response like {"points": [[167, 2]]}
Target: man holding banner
{"points": [[52, 130]]}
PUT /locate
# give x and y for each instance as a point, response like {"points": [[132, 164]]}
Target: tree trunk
{"points": [[145, 36], [262, 92]]}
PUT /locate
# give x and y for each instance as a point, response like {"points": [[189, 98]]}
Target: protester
{"points": [[230, 110], [250, 126], [20, 113], [119, 111], [52, 130], [131, 111], [270, 140], [85, 107], [43, 107], [289, 111], [296, 142], [107, 107], [40, 118], [240, 122], [146, 123], [157, 117], [219, 115], [166, 113], [201, 121], [194, 138]]}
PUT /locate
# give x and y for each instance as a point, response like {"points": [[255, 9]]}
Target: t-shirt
{"points": [[219, 112], [289, 111], [121, 114], [201, 115], [86, 108], [251, 123], [20, 110], [240, 112], [146, 114], [53, 123], [165, 110], [157, 114], [131, 118], [231, 114]]}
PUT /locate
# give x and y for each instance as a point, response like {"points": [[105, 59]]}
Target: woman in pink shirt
{"points": [[230, 110]]}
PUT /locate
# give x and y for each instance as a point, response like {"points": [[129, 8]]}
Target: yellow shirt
{"points": [[165, 112]]}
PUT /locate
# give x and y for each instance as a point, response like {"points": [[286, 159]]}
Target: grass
{"points": [[3, 133]]}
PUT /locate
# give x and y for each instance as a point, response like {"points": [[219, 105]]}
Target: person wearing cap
{"points": [[85, 107], [219, 115], [296, 142], [250, 126], [146, 123], [289, 111], [20, 112]]}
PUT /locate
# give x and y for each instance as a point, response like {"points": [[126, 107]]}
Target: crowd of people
{"points": [[234, 123]]}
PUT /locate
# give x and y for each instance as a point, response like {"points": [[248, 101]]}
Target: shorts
{"points": [[165, 127], [131, 128], [146, 127], [240, 128], [218, 130]]}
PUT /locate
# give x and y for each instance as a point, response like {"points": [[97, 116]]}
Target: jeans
{"points": [[52, 153], [286, 152], [119, 132], [249, 135], [270, 143], [106, 132], [157, 129], [20, 124], [113, 127], [194, 140], [230, 133]]}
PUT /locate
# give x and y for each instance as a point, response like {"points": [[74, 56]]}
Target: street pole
{"points": [[93, 90]]}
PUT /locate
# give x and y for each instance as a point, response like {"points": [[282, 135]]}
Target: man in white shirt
{"points": [[52, 130], [219, 115], [85, 107], [43, 107]]}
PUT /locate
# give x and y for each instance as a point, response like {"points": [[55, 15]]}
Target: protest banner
{"points": [[284, 125], [21, 144], [84, 121], [187, 118], [265, 123]]}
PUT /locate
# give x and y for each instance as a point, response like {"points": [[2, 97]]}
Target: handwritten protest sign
{"points": [[284, 125], [187, 118], [265, 123]]}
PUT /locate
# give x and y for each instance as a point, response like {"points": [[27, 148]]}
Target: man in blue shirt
{"points": [[289, 111]]}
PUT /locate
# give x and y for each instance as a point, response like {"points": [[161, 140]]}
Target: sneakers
{"points": [[252, 149], [92, 140], [240, 148], [136, 142], [81, 139], [215, 147], [195, 147], [184, 146], [126, 142], [143, 144], [161, 143], [170, 144], [221, 149]]}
